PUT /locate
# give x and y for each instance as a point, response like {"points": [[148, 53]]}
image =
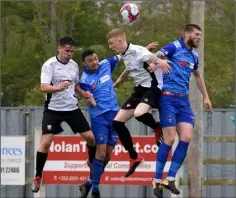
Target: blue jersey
{"points": [[101, 86], [183, 62]]}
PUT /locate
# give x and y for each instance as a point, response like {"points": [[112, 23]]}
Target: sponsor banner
{"points": [[117, 166], [74, 148], [109, 178], [12, 160], [67, 162]]}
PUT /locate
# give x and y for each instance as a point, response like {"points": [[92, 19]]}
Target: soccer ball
{"points": [[129, 12]]}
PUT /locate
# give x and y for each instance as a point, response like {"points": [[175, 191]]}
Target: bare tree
{"points": [[195, 157], [53, 26]]}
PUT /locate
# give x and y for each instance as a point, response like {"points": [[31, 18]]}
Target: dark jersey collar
{"points": [[60, 61], [126, 49]]}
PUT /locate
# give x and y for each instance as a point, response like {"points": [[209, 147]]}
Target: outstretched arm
{"points": [[154, 63], [152, 46]]}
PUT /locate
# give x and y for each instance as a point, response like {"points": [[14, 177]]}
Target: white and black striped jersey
{"points": [[135, 58], [55, 72]]}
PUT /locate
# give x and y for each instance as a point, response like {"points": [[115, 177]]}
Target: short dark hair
{"points": [[86, 53], [66, 40], [190, 27]]}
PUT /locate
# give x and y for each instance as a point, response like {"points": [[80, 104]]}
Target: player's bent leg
{"points": [[169, 138], [95, 174], [124, 135], [142, 115], [89, 138], [51, 125], [79, 124], [126, 139], [179, 155], [97, 168], [162, 155], [41, 157], [91, 156], [184, 130], [86, 187], [99, 130]]}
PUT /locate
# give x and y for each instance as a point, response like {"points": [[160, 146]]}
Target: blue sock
{"points": [[178, 158], [162, 155], [97, 170]]}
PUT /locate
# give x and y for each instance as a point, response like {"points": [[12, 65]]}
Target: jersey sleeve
{"points": [[46, 74], [84, 84], [77, 74], [113, 62], [196, 64], [168, 50], [144, 54]]}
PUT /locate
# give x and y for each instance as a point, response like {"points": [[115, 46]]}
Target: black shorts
{"points": [[150, 96], [51, 123]]}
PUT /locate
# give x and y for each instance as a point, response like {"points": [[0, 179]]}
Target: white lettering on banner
{"points": [[148, 148], [67, 147], [12, 160], [81, 147], [118, 166]]}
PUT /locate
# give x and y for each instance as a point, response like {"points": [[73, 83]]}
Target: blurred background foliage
{"points": [[30, 31]]}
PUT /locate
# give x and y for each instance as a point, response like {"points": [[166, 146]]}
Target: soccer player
{"points": [[176, 115], [146, 70], [59, 76], [103, 107]]}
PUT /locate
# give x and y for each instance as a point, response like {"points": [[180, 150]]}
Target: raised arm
{"points": [[114, 60]]}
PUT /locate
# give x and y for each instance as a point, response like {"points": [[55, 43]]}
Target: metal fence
{"points": [[219, 155]]}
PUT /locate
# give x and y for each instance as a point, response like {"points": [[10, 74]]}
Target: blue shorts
{"points": [[102, 128], [175, 109]]}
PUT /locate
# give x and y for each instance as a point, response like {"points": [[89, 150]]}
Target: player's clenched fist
{"points": [[65, 84]]}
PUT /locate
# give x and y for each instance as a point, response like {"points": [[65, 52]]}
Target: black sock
{"points": [[91, 153], [148, 120], [158, 125], [40, 162], [125, 138], [132, 153]]}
